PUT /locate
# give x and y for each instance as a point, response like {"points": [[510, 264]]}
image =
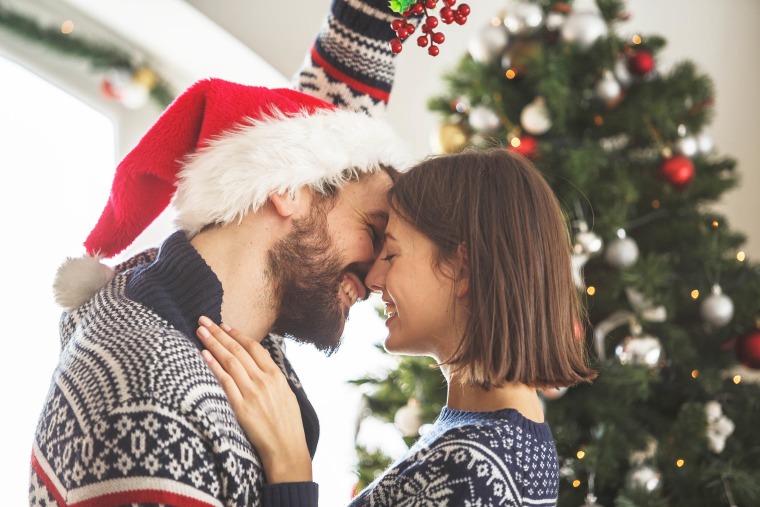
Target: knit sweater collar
{"points": [[179, 286]]}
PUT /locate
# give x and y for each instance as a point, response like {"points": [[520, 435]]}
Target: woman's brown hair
{"points": [[524, 309]]}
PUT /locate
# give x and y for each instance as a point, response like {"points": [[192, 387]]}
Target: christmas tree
{"points": [[673, 305]]}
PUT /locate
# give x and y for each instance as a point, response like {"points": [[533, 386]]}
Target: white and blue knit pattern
{"points": [[473, 459]]}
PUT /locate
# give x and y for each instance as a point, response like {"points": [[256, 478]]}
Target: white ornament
{"points": [[555, 20], [408, 419], [717, 308], [488, 44], [524, 19], [535, 117], [608, 88], [584, 29], [622, 251], [578, 261], [687, 146], [645, 308], [704, 143], [719, 427], [134, 96], [483, 119], [643, 476], [622, 73]]}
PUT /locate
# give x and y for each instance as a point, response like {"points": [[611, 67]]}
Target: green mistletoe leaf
{"points": [[400, 6]]}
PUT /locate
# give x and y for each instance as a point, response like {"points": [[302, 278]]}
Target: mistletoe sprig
{"points": [[429, 22]]}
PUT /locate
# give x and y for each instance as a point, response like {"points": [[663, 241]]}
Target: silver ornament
{"points": [[640, 350], [488, 43], [704, 143], [622, 73], [681, 130], [584, 29], [719, 427], [554, 21], [535, 118], [643, 477], [622, 251], [483, 119], [577, 261], [687, 146], [408, 419], [717, 308], [524, 19], [608, 88], [589, 241]]}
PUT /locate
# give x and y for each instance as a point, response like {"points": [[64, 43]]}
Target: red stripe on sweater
{"points": [[352, 82], [47, 481], [142, 496]]}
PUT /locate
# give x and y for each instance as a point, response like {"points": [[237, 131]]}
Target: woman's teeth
{"points": [[349, 291], [390, 310]]}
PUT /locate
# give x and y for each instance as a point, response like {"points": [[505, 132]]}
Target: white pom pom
{"points": [[77, 280]]}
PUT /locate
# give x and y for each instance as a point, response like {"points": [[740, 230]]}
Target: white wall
{"points": [[721, 37]]}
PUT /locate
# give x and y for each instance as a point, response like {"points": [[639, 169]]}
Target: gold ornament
{"points": [[452, 138], [145, 77]]}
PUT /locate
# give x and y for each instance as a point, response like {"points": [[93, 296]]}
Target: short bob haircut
{"points": [[525, 320]]}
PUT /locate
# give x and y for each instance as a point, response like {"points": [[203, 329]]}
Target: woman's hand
{"points": [[263, 402]]}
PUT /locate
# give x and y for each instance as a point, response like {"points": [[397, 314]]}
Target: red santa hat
{"points": [[219, 150]]}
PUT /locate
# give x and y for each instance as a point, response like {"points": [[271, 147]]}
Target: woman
{"points": [[475, 272]]}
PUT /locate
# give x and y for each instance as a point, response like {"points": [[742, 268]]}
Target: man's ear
{"points": [[462, 281], [290, 203]]}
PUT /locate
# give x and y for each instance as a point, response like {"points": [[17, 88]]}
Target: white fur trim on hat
{"points": [[78, 279], [236, 173]]}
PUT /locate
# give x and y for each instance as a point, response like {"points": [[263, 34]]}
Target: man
{"points": [[280, 201]]}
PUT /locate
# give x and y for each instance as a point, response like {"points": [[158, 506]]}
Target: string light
{"points": [[591, 290], [695, 373], [576, 483], [511, 74], [495, 21], [636, 39], [67, 27], [598, 120], [694, 294], [715, 224], [737, 379], [515, 142], [680, 463], [740, 256], [581, 454], [656, 204]]}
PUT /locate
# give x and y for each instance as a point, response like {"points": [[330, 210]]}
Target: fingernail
{"points": [[205, 321], [206, 355], [225, 327], [204, 332]]}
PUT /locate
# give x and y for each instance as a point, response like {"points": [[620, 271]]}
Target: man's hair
{"points": [[525, 322]]}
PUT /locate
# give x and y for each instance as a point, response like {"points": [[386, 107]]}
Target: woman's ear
{"points": [[462, 280], [291, 203]]}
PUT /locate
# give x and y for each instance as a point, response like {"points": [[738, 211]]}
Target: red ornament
{"points": [[641, 62], [526, 147], [678, 171], [748, 350]]}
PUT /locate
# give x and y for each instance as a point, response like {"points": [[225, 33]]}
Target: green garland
{"points": [[101, 56]]}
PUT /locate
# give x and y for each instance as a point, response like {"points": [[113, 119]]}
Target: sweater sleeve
{"points": [[291, 494], [350, 63]]}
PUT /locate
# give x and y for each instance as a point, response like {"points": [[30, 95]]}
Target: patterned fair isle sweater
{"points": [[476, 459], [135, 416]]}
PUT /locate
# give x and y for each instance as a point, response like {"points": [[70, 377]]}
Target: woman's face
{"points": [[420, 300]]}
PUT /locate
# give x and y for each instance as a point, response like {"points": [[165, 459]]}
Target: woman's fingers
{"points": [[256, 350], [228, 384], [227, 351]]}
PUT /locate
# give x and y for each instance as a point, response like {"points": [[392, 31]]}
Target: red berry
{"points": [[438, 38], [433, 50], [418, 8], [447, 12], [407, 13], [431, 21], [430, 4], [449, 2], [426, 29], [464, 10], [410, 28], [396, 46], [461, 20], [396, 24], [422, 41]]}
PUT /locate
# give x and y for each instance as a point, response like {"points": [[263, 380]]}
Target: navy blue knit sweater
{"points": [[472, 458]]}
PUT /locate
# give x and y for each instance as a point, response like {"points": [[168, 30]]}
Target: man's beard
{"points": [[306, 271]]}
